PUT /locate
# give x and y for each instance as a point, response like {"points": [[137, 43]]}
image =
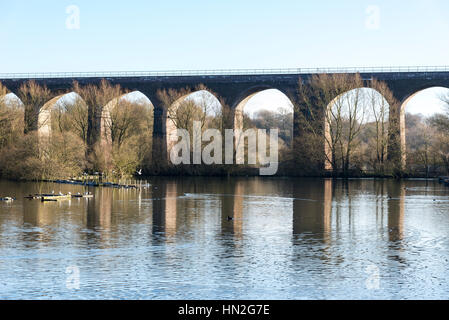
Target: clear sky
{"points": [[205, 34], [45, 36]]}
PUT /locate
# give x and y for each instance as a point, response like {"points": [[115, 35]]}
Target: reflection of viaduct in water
{"points": [[43, 215], [40, 215], [165, 208], [396, 209], [312, 208], [232, 207], [236, 88], [99, 209]]}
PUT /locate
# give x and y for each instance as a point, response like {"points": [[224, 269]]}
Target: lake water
{"points": [[289, 239]]}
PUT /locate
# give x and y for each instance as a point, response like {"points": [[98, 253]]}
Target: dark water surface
{"points": [[290, 239]]}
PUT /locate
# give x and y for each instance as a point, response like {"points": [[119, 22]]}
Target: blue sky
{"points": [[159, 35], [198, 34]]}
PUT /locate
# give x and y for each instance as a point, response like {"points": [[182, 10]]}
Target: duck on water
{"points": [[7, 199]]}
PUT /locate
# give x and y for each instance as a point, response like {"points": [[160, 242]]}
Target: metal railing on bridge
{"points": [[222, 72]]}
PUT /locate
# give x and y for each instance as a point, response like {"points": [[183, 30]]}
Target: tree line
{"points": [[343, 129], [73, 120], [356, 130]]}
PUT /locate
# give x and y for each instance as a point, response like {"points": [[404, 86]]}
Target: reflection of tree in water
{"points": [[312, 208], [38, 216], [396, 209], [165, 208], [195, 200], [230, 238], [99, 214], [381, 203], [232, 209]]}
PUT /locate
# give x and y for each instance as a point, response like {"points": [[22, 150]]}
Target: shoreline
{"points": [[148, 184]]}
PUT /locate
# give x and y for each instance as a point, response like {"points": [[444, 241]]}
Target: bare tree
{"points": [[348, 111], [441, 149], [445, 98], [96, 98], [378, 99], [127, 119], [34, 97], [185, 106], [4, 116], [127, 126], [440, 123], [3, 91], [332, 107], [74, 114], [182, 109]]}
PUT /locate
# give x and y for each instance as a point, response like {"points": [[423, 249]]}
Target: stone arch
{"points": [[367, 117], [238, 112], [44, 117], [246, 97], [105, 122], [12, 100], [402, 111], [14, 112], [170, 125]]}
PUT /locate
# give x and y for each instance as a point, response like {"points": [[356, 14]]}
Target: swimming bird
{"points": [[230, 218], [8, 199]]}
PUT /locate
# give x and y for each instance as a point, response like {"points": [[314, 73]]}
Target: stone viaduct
{"points": [[236, 87]]}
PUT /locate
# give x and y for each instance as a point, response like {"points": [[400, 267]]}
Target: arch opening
{"points": [[267, 109], [201, 106], [62, 135], [12, 115], [126, 133], [11, 100], [356, 131], [62, 114], [424, 128]]}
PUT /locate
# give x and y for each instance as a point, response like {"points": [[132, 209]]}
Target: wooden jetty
{"points": [[56, 197], [83, 195], [96, 183]]}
